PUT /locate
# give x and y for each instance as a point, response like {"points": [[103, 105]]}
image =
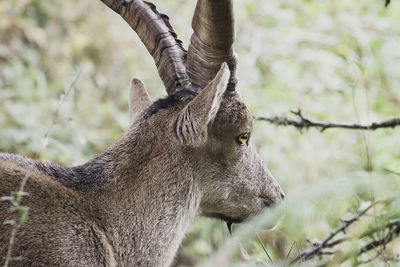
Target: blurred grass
{"points": [[337, 60]]}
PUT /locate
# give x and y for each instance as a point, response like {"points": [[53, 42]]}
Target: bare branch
{"points": [[320, 248], [394, 232], [302, 123]]}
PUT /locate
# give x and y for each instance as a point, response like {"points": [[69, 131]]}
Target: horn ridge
{"points": [[160, 39], [212, 42]]}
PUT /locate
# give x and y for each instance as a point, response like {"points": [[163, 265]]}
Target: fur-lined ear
{"points": [[191, 126], [139, 100]]}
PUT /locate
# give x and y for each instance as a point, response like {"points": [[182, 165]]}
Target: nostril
{"points": [[282, 196]]}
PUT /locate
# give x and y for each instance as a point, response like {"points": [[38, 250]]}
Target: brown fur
{"points": [[132, 205]]}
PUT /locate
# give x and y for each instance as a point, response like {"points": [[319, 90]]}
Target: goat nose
{"points": [[282, 196]]}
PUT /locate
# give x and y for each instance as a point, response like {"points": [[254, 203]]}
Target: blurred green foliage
{"points": [[336, 60]]}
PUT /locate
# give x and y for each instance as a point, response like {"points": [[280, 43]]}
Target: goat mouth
{"points": [[225, 218], [228, 220]]}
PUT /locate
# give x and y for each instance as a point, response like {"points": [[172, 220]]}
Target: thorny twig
{"points": [[320, 248], [379, 245], [394, 231], [305, 123]]}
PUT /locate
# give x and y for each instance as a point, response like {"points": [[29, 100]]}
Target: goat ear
{"points": [[139, 100], [191, 126]]}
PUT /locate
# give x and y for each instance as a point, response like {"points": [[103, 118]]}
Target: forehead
{"points": [[233, 113]]}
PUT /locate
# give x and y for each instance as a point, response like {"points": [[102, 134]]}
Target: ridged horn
{"points": [[212, 42], [160, 39]]}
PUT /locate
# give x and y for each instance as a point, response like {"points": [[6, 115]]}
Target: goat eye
{"points": [[242, 139]]}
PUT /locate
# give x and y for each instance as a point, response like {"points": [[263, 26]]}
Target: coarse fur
{"points": [[132, 204]]}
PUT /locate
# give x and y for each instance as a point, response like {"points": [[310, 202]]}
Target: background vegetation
{"points": [[336, 60]]}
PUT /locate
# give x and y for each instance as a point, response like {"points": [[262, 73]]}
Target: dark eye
{"points": [[243, 139]]}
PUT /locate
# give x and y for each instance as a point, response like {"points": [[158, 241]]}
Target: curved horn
{"points": [[212, 42], [158, 36]]}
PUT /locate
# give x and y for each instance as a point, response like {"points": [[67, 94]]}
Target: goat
{"points": [[186, 155]]}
